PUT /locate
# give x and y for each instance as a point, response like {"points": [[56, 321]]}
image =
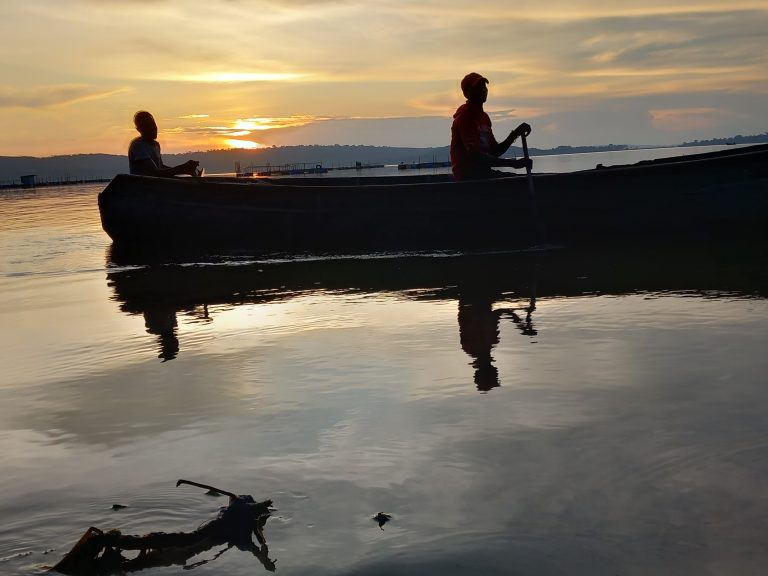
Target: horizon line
{"points": [[707, 141]]}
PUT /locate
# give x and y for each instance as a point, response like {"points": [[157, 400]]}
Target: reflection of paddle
{"points": [[525, 325]]}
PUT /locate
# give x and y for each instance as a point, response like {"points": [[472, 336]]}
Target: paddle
{"points": [[528, 168], [531, 193]]}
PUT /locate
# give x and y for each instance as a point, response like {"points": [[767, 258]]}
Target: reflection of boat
{"points": [[558, 272], [161, 292], [699, 195]]}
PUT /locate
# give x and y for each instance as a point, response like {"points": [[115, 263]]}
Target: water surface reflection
{"points": [[629, 417], [489, 288], [626, 434]]}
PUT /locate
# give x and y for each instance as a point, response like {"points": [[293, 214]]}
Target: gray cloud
{"points": [[695, 39]]}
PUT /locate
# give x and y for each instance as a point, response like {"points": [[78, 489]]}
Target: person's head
{"points": [[145, 124], [474, 86]]}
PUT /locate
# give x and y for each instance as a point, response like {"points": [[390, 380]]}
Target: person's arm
{"points": [[189, 167], [511, 163], [147, 167], [501, 147], [492, 160]]}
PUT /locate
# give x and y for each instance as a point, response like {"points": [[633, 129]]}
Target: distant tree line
{"points": [[97, 166], [739, 139]]}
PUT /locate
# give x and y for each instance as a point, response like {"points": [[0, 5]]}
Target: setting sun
{"points": [[242, 144]]}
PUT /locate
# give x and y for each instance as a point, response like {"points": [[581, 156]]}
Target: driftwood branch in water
{"points": [[99, 552], [209, 488]]}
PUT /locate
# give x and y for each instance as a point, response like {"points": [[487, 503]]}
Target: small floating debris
{"points": [[382, 519], [118, 506]]}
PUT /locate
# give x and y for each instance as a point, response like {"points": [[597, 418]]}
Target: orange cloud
{"points": [[681, 119], [273, 123]]}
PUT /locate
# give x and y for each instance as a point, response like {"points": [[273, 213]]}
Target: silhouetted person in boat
{"points": [[144, 152], [474, 149]]}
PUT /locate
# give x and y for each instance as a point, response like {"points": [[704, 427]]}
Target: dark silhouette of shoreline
{"points": [[77, 168]]}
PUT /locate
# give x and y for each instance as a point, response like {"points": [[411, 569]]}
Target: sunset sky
{"points": [[249, 73]]}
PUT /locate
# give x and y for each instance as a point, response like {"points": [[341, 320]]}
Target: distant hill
{"points": [[101, 166], [755, 139], [72, 167], [95, 166], [98, 166]]}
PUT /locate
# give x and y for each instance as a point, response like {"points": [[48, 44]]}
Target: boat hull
{"points": [[706, 195]]}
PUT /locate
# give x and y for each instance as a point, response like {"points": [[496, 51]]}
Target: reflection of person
{"points": [[144, 152], [161, 321], [474, 149], [478, 334]]}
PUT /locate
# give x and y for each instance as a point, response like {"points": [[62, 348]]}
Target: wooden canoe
{"points": [[704, 195]]}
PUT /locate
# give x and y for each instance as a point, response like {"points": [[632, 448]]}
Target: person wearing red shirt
{"points": [[474, 149]]}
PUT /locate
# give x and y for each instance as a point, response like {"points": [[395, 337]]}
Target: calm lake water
{"points": [[550, 412]]}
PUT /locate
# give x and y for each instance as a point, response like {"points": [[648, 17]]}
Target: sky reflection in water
{"points": [[621, 430]]}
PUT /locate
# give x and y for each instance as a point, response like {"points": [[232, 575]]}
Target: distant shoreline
{"points": [[92, 168], [53, 183]]}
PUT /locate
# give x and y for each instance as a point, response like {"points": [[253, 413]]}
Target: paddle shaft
{"points": [[531, 193], [528, 168]]}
